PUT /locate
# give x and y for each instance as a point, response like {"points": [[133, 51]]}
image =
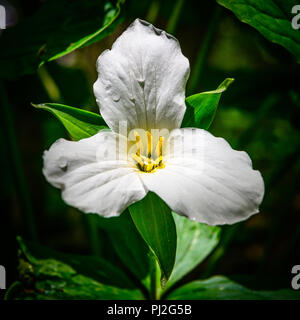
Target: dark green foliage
{"points": [[58, 28]]}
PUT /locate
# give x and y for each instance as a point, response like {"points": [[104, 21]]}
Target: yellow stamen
{"points": [[159, 145], [148, 162], [149, 144], [138, 159], [148, 167], [138, 143]]}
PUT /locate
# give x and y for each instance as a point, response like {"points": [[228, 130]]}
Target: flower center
{"points": [[153, 159]]}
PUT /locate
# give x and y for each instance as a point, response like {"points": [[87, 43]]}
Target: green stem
{"points": [[203, 51], [16, 165], [153, 284], [172, 24]]}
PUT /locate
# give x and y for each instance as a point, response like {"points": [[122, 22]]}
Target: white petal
{"points": [[206, 180], [90, 175], [142, 80]]}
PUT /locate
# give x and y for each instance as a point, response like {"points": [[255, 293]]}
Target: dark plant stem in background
{"points": [[93, 231], [153, 11], [173, 21], [263, 112], [200, 62], [227, 238], [13, 152], [49, 85], [54, 94]]}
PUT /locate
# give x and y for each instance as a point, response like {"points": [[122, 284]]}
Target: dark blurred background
{"points": [[258, 113]]}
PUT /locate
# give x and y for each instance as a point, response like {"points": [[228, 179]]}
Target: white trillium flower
{"points": [[142, 83]]}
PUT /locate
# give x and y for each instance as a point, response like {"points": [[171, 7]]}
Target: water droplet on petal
{"points": [[141, 82], [115, 97], [107, 86], [131, 98], [63, 165]]}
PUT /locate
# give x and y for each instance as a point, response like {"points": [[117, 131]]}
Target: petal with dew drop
{"points": [[142, 80], [92, 175]]}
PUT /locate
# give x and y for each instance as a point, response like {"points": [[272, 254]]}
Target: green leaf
{"points": [[127, 242], [195, 241], [271, 18], [92, 266], [201, 107], [72, 277], [51, 283], [154, 220], [222, 288], [57, 28], [79, 123]]}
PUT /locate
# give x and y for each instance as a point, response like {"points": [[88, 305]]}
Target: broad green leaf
{"points": [[127, 242], [201, 107], [48, 278], [94, 267], [56, 29], [79, 123], [154, 220], [55, 281], [222, 288], [195, 241], [271, 18]]}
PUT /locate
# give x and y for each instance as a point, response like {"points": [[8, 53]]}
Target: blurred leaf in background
{"points": [[195, 241], [46, 274], [222, 288], [56, 29], [273, 19]]}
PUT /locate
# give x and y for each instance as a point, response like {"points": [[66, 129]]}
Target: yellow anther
{"points": [[148, 167], [159, 145], [149, 144], [159, 159], [138, 159], [138, 143], [148, 162]]}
